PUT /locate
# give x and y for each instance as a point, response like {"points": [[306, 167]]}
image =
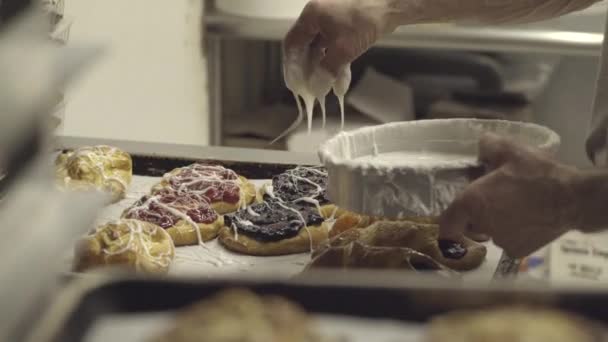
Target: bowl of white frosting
{"points": [[415, 168]]}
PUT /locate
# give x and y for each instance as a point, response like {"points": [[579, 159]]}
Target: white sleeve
{"points": [[598, 138]]}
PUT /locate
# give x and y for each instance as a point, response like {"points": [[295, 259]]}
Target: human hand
{"points": [[524, 202], [597, 141], [341, 29]]}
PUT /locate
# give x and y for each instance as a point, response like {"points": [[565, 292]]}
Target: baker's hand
{"points": [[343, 29], [597, 141], [524, 202]]}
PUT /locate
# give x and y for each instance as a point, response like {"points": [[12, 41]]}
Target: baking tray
{"points": [[375, 295], [189, 262]]}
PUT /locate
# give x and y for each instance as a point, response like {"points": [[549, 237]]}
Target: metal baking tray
{"points": [[376, 295], [150, 159]]}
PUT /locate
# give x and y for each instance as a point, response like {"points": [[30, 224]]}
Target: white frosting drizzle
{"points": [[301, 219], [139, 237], [251, 212], [209, 174], [179, 210], [305, 78], [98, 156]]}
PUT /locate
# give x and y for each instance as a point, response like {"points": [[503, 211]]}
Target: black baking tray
{"points": [[157, 166], [360, 294]]}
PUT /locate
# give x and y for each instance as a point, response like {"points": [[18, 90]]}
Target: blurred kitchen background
{"points": [[208, 73]]}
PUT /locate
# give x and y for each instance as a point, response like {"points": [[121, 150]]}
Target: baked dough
{"points": [[240, 315], [225, 190], [511, 324], [274, 228], [460, 255], [103, 168], [139, 246], [346, 220], [183, 215]]}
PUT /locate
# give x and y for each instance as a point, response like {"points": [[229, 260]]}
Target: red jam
{"points": [[193, 205], [214, 182]]}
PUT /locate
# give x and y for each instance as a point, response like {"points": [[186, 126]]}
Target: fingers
{"points": [[339, 53], [597, 140], [495, 151], [305, 29]]}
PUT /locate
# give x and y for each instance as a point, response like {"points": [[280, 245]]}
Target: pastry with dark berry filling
{"points": [[461, 255], [305, 185], [274, 227]]}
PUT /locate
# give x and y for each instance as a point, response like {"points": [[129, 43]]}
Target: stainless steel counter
{"points": [[193, 151]]}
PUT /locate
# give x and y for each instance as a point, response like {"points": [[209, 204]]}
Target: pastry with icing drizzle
{"points": [[241, 315], [514, 323], [304, 184], [462, 255], [346, 220], [187, 216], [139, 246], [224, 188], [274, 228], [102, 168]]}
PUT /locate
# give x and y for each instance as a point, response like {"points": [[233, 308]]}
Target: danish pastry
{"points": [[274, 228], [187, 217], [458, 255], [102, 168], [303, 184], [512, 324], [346, 220], [225, 190], [139, 246], [240, 315]]}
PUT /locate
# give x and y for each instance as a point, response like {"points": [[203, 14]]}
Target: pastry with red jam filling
{"points": [[304, 185], [224, 189], [187, 217], [274, 227]]}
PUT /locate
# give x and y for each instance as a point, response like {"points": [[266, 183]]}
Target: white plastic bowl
{"points": [[407, 188]]}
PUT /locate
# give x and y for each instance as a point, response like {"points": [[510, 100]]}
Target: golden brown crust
{"points": [[511, 324], [417, 236], [241, 315], [101, 168], [184, 233], [136, 245], [346, 220], [307, 237]]}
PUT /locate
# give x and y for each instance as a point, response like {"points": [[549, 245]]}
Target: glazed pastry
{"points": [[102, 168], [240, 315], [186, 216], [458, 255], [513, 324], [140, 246], [274, 228], [304, 185], [346, 220], [225, 190]]}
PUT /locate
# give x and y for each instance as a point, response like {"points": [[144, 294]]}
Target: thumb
{"points": [[495, 151], [454, 221]]}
